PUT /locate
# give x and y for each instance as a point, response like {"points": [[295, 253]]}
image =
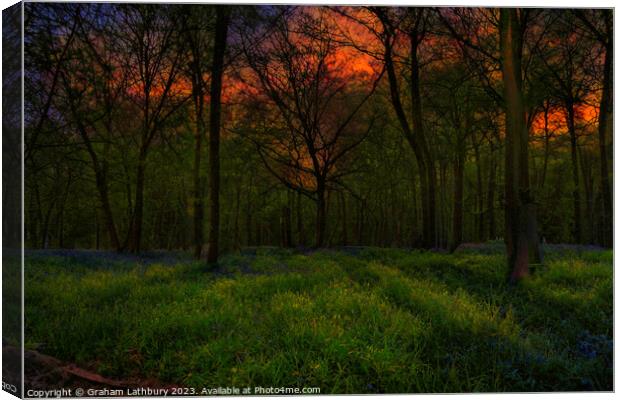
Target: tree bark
{"points": [[547, 147], [491, 197], [361, 223], [586, 171], [518, 202], [102, 188], [480, 194], [196, 75], [45, 231], [61, 214], [217, 70], [285, 224], [570, 121], [138, 214], [415, 234], [321, 216], [415, 134], [457, 211], [237, 234], [97, 238], [198, 204], [101, 177], [418, 129], [605, 126], [343, 205], [301, 236]]}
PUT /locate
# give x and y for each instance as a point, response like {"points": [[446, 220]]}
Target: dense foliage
{"points": [[367, 126]]}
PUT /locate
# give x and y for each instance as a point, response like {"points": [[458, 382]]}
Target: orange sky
{"points": [[585, 114], [349, 63]]}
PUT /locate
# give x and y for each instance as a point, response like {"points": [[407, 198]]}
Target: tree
{"points": [[604, 35], [315, 114], [150, 40], [389, 28], [94, 109], [415, 28], [518, 202], [319, 112], [120, 99], [217, 71], [565, 60], [520, 211], [198, 37]]}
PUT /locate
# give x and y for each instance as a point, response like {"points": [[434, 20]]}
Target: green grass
{"points": [[383, 321]]}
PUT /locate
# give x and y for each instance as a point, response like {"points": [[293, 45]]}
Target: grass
{"points": [[381, 321]]}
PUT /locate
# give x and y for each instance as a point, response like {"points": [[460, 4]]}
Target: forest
{"points": [[441, 178]]}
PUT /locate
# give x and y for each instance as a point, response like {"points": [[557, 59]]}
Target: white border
{"points": [[489, 3]]}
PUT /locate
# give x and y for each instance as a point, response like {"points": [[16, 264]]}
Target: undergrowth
{"points": [[378, 321]]}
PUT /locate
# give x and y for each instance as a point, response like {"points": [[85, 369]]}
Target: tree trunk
{"points": [[97, 237], [285, 224], [586, 171], [361, 219], [443, 214], [415, 234], [35, 216], [327, 236], [248, 218], [415, 134], [480, 194], [259, 236], [197, 80], [518, 202], [101, 181], [217, 70], [547, 147], [457, 211], [343, 205], [45, 231], [61, 215], [491, 197], [108, 217], [136, 222], [429, 193], [237, 234], [570, 121], [198, 204], [321, 216], [605, 126], [301, 236], [426, 240]]}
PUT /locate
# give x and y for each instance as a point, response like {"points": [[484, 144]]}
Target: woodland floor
{"points": [[349, 320]]}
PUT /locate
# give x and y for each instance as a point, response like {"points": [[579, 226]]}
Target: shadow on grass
{"points": [[369, 321]]}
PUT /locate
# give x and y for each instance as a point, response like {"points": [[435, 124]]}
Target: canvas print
{"points": [[207, 200]]}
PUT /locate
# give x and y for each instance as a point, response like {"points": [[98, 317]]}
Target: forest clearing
{"points": [[357, 320]]}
